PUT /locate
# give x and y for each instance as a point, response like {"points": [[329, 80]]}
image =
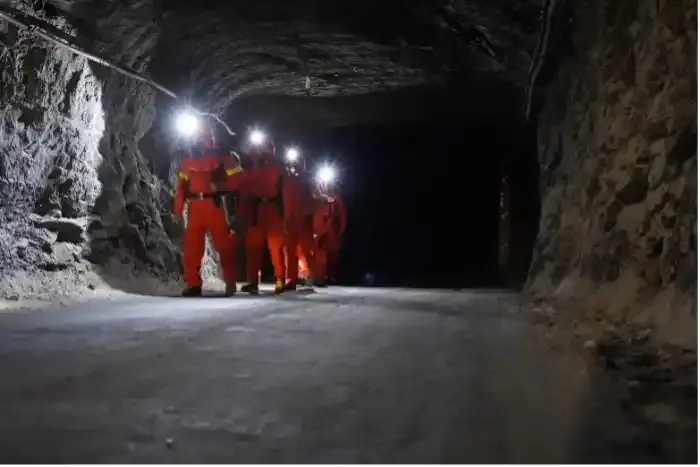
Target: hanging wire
{"points": [[54, 35]]}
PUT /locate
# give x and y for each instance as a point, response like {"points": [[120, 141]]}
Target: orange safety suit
{"points": [[330, 222], [271, 206], [306, 247], [299, 246], [209, 187]]}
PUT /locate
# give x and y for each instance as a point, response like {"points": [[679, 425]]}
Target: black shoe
{"points": [[230, 289], [320, 283], [290, 286], [279, 286], [302, 281], [251, 288], [192, 291]]}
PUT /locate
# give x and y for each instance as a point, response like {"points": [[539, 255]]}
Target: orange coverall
{"points": [[299, 246], [270, 208], [306, 248], [201, 182], [330, 222]]}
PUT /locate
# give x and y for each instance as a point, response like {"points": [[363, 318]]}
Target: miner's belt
{"points": [[202, 195], [265, 199], [216, 194]]}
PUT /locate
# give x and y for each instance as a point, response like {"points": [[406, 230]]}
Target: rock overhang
{"points": [[215, 52]]}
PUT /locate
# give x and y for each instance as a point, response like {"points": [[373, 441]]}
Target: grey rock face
{"points": [[69, 132], [65, 230], [617, 142], [346, 48], [51, 124]]}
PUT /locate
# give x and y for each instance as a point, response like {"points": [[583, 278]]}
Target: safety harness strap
{"points": [[211, 195]]}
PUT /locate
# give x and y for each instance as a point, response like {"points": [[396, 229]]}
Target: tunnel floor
{"points": [[344, 375]]}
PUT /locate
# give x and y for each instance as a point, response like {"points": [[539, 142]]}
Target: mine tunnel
{"points": [[517, 283]]}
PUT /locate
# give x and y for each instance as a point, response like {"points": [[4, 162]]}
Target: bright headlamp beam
{"points": [[292, 154], [187, 124], [58, 37], [325, 175], [257, 137]]}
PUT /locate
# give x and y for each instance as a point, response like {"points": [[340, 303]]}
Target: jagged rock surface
{"points": [[617, 148], [75, 191], [223, 51], [133, 211], [52, 122]]}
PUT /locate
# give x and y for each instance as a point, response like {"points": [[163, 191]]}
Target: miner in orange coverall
{"points": [[299, 245], [306, 248], [209, 195], [270, 211], [330, 222]]}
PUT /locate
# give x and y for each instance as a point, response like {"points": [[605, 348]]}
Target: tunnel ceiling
{"points": [[218, 50]]}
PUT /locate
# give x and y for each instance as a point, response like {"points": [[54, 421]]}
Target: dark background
{"points": [[422, 200]]}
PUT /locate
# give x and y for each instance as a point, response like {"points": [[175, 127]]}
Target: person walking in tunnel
{"points": [[271, 207], [209, 196], [298, 250], [306, 249], [330, 223]]}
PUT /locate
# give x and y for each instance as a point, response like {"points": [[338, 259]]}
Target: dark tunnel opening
{"points": [[424, 203]]}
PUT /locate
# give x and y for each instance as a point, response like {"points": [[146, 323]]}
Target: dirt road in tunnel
{"points": [[344, 375]]}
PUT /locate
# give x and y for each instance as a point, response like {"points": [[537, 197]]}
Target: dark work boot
{"points": [[290, 286], [321, 283], [194, 291], [230, 289], [251, 288], [302, 281], [279, 286]]}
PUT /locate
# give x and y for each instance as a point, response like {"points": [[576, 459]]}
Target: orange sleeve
{"points": [[233, 173], [180, 189], [234, 180]]}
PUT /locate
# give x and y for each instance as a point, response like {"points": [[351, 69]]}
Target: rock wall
{"points": [[79, 204], [617, 147], [51, 125], [131, 222]]}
